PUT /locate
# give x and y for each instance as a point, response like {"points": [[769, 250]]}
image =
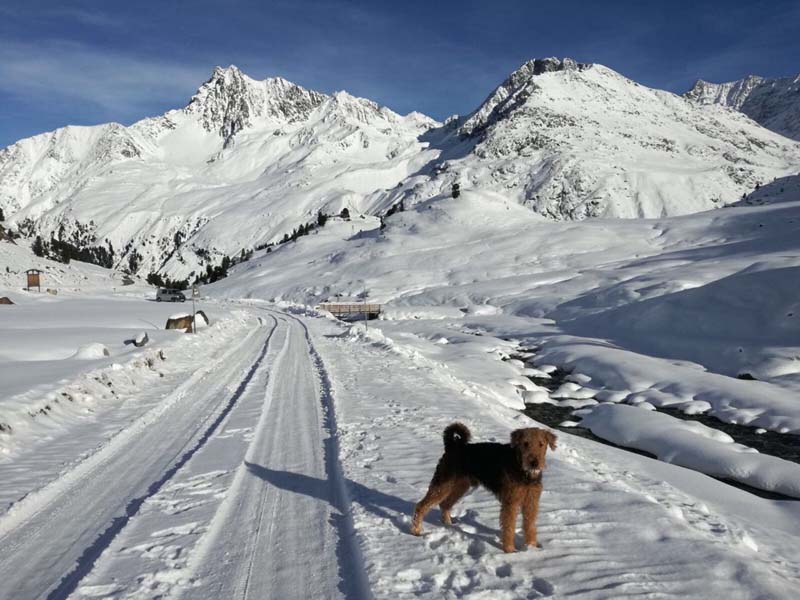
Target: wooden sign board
{"points": [[33, 279]]}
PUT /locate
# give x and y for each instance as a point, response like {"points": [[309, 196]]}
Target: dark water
{"points": [[552, 416], [785, 446], [782, 445]]}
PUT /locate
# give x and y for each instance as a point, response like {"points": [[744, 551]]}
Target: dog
{"points": [[512, 472]]}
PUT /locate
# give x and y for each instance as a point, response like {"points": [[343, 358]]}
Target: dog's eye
{"points": [[524, 444]]}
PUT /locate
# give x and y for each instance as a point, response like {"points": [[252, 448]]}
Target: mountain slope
{"points": [[246, 162], [257, 158], [573, 140], [773, 103]]}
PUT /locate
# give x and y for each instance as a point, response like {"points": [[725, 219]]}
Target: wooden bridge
{"points": [[351, 311]]}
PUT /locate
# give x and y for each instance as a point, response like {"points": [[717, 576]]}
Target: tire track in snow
{"points": [[35, 524], [351, 560], [285, 529]]}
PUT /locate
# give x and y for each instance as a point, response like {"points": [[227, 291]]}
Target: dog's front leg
{"points": [[530, 512], [508, 522]]}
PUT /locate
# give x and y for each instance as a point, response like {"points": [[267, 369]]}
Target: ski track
{"points": [[51, 540], [261, 510], [286, 508]]}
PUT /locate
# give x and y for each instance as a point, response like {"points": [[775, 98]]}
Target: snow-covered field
{"points": [[279, 453]]}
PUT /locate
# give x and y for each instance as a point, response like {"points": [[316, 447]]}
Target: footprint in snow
{"points": [[543, 587]]}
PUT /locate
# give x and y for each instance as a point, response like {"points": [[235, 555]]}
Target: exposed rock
{"points": [[773, 103], [141, 339], [5, 300]]}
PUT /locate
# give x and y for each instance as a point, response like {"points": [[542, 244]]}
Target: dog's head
{"points": [[531, 446]]}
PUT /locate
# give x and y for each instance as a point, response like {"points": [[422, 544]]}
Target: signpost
{"points": [[33, 279], [195, 294]]}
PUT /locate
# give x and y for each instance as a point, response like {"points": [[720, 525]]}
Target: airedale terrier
{"points": [[512, 472]]}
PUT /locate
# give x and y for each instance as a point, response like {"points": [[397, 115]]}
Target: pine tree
{"points": [[2, 215], [38, 246], [456, 190], [345, 214]]}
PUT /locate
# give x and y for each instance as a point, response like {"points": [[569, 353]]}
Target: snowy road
{"points": [[51, 540], [284, 509]]}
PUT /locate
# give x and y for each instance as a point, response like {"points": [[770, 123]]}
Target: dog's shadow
{"points": [[394, 509]]}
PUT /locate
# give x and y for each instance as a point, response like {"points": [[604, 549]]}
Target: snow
{"points": [[770, 102], [692, 445], [91, 351]]}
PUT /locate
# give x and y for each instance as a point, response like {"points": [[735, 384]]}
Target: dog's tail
{"points": [[456, 435]]}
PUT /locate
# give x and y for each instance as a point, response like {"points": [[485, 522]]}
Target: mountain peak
{"points": [[773, 103], [514, 90], [538, 66], [230, 100]]}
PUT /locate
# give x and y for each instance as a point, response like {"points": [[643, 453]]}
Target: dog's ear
{"points": [[516, 437], [551, 439]]}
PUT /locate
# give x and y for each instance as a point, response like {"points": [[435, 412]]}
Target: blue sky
{"points": [[86, 62]]}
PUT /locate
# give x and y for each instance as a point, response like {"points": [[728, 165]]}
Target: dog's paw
{"points": [[536, 545]]}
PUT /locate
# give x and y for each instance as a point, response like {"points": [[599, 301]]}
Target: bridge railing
{"points": [[342, 309]]}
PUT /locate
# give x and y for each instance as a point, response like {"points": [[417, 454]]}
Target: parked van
{"points": [[168, 295]]}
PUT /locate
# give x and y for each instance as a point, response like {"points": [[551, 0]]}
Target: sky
{"points": [[88, 62]]}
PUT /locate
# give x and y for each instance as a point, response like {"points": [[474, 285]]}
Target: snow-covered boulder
{"points": [[91, 351], [141, 339]]}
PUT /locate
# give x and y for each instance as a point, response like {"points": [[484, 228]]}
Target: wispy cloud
{"points": [[72, 14], [113, 83]]}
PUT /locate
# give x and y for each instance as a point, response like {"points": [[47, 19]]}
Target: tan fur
{"points": [[511, 471]]}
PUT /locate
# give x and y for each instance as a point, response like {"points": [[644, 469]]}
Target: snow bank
{"points": [[633, 378], [692, 445], [91, 351]]}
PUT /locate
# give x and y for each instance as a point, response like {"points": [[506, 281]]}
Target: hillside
{"points": [[773, 103], [572, 140], [244, 163], [248, 162]]}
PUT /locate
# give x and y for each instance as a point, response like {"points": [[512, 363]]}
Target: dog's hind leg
{"points": [[436, 494], [459, 488]]}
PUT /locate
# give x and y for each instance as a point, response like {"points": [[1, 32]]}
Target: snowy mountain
{"points": [[573, 140], [246, 162], [254, 158], [773, 103]]}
